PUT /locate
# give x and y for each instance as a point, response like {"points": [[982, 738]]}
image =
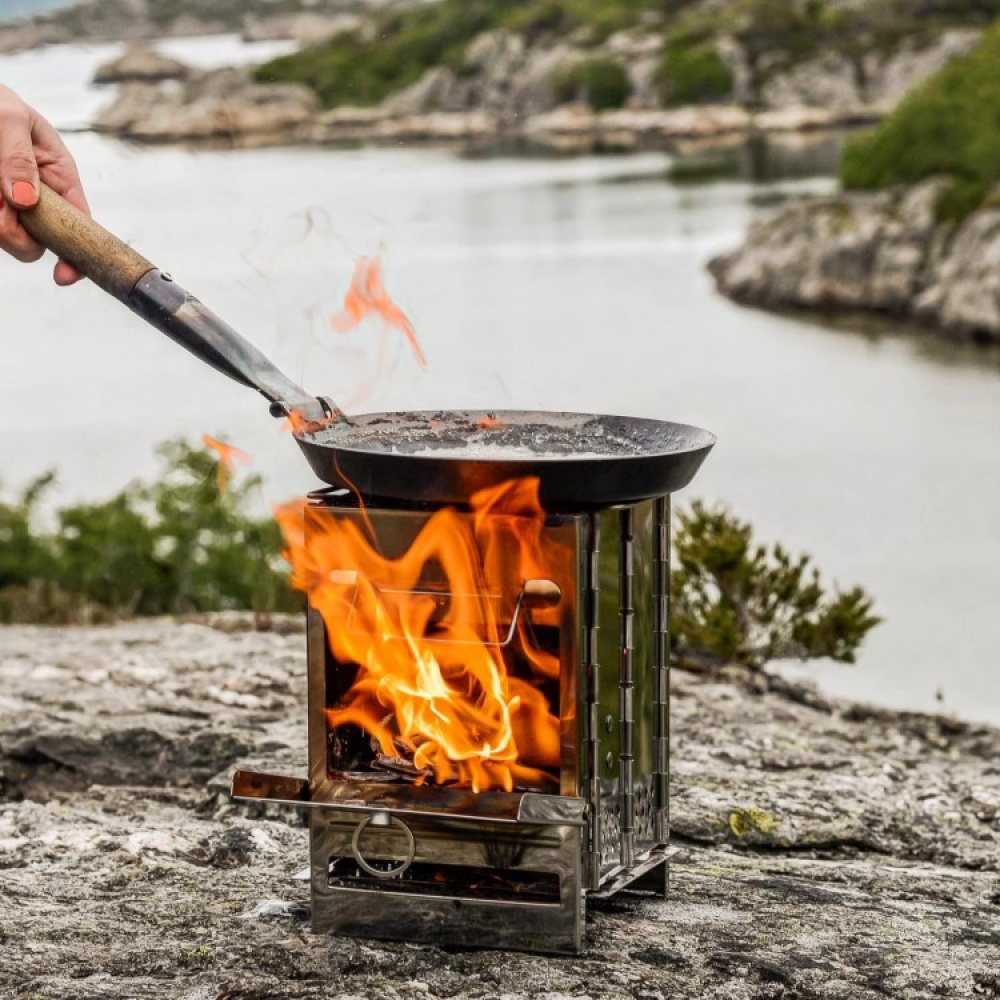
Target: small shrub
{"points": [[694, 73], [959, 200], [176, 545], [601, 83], [736, 601]]}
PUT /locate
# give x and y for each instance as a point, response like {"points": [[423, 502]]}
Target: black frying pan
{"points": [[582, 460]]}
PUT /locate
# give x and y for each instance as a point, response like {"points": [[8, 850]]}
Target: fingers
{"points": [[13, 238], [18, 177], [18, 169], [58, 170], [65, 274], [31, 150], [56, 163]]}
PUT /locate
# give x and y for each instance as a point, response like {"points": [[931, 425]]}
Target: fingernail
{"points": [[24, 193]]}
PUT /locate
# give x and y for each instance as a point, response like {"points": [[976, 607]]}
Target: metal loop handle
{"points": [[383, 819]]}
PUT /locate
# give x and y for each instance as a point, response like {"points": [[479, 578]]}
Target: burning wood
{"points": [[402, 768]]}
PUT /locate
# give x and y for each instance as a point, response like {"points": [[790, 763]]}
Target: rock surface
{"points": [[304, 29], [218, 105], [227, 105], [141, 64], [91, 21], [876, 81], [828, 850], [883, 251]]}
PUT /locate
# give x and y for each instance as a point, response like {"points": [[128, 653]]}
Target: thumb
{"points": [[18, 170]]}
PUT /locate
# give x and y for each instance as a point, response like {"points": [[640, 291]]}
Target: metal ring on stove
{"points": [[383, 819]]}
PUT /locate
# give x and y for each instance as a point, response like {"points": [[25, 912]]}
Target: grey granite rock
{"points": [[829, 851], [881, 251], [217, 105], [141, 64]]}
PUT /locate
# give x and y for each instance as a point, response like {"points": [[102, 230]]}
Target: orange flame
{"points": [[298, 424], [436, 680], [491, 422], [367, 296], [228, 457]]}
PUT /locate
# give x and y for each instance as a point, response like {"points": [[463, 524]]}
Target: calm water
{"points": [[12, 10], [560, 284]]}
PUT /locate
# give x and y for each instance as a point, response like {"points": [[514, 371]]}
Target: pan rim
{"points": [[699, 439]]}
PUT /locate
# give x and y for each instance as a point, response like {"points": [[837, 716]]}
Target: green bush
{"points": [[366, 67], [601, 83], [950, 124], [736, 601], [176, 546], [693, 73], [360, 70], [180, 545]]}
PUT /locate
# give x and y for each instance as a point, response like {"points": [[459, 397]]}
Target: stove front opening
{"points": [[450, 649], [357, 750]]}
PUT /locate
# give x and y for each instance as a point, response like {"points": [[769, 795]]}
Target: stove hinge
{"points": [[661, 664], [591, 635], [626, 753]]}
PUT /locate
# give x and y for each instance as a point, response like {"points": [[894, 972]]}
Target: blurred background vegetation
{"points": [[366, 66], [949, 125], [188, 544], [176, 546]]}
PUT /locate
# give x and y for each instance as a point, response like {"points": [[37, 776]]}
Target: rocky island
{"points": [[562, 75], [828, 850], [92, 21], [915, 233]]}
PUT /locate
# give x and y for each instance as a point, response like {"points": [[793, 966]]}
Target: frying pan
{"points": [[582, 460]]}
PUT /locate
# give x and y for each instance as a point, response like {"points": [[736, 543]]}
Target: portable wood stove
{"points": [[395, 856]]}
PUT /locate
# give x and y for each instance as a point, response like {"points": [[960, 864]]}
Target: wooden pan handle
{"points": [[161, 302], [84, 243]]}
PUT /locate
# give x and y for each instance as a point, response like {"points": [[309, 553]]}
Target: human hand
{"points": [[31, 149]]}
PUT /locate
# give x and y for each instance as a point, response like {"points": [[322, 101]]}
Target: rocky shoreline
{"points": [[504, 97], [305, 22], [884, 252], [162, 101], [828, 850], [226, 106]]}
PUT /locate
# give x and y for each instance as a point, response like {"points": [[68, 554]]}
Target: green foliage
{"points": [[180, 545], [23, 557], [366, 67], [736, 601], [601, 83], [176, 546], [399, 45], [692, 72], [950, 124]]}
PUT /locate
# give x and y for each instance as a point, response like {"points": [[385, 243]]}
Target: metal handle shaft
{"points": [[122, 272]]}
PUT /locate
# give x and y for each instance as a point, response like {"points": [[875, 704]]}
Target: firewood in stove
{"points": [[398, 765]]}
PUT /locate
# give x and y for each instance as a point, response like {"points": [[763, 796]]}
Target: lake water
{"points": [[13, 10], [575, 284]]}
